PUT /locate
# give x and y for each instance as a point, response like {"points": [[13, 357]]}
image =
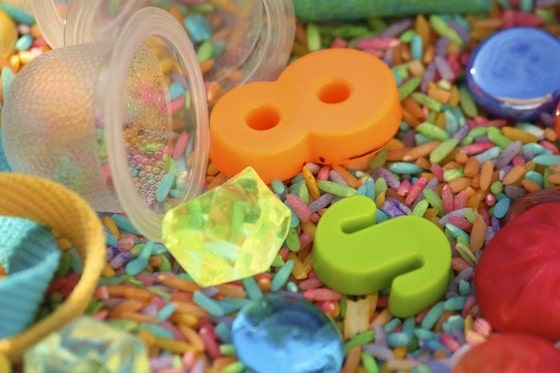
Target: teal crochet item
{"points": [[331, 10], [30, 255], [4, 166]]}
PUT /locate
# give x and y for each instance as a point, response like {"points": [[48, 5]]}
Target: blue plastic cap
{"points": [[515, 73]]}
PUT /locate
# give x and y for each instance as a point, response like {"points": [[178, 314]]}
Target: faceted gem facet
{"points": [[88, 345], [286, 334], [228, 233]]}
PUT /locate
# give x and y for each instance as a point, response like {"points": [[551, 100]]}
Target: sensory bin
{"points": [[450, 162]]}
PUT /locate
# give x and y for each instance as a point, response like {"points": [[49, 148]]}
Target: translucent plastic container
{"points": [[123, 121], [248, 39], [119, 112]]}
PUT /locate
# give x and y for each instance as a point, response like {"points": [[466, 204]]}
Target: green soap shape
{"points": [[408, 254]]}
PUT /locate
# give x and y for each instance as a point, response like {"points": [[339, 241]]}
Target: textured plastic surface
{"points": [[29, 254], [97, 118], [54, 206], [47, 121], [326, 107], [408, 254], [326, 10], [515, 73], [518, 274]]}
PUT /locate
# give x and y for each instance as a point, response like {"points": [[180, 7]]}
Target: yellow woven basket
{"points": [[66, 213]]}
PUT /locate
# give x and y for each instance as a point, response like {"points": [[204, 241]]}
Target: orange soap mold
{"points": [[326, 107]]}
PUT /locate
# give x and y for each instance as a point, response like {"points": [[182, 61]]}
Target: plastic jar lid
{"points": [[253, 41], [514, 73]]}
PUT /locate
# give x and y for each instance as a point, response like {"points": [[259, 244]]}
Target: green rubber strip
{"points": [[329, 10]]}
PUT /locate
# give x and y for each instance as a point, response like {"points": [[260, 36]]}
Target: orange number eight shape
{"points": [[326, 107], [408, 254]]}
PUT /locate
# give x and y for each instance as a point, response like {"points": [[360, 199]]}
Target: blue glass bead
{"points": [[286, 334], [514, 73]]}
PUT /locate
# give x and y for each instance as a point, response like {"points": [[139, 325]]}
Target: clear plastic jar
{"points": [[249, 39], [96, 117], [102, 119]]}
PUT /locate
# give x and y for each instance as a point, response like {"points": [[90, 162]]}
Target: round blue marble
{"points": [[286, 334], [515, 73]]}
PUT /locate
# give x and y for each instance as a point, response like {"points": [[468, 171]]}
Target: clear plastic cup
{"points": [[123, 121], [250, 39]]}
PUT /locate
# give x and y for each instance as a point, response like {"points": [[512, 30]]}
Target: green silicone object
{"points": [[409, 255], [330, 10]]}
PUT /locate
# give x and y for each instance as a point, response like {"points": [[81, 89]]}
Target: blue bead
{"points": [[17, 14], [502, 207], [380, 216], [416, 47], [24, 42], [286, 334], [223, 332], [124, 223], [198, 28], [176, 90], [398, 339], [514, 73]]}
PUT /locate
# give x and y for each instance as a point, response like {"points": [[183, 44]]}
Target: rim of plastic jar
{"points": [[58, 31], [268, 58], [277, 40], [146, 23], [49, 21], [80, 24]]}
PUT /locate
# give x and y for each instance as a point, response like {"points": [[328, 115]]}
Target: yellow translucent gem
{"points": [[231, 232]]}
